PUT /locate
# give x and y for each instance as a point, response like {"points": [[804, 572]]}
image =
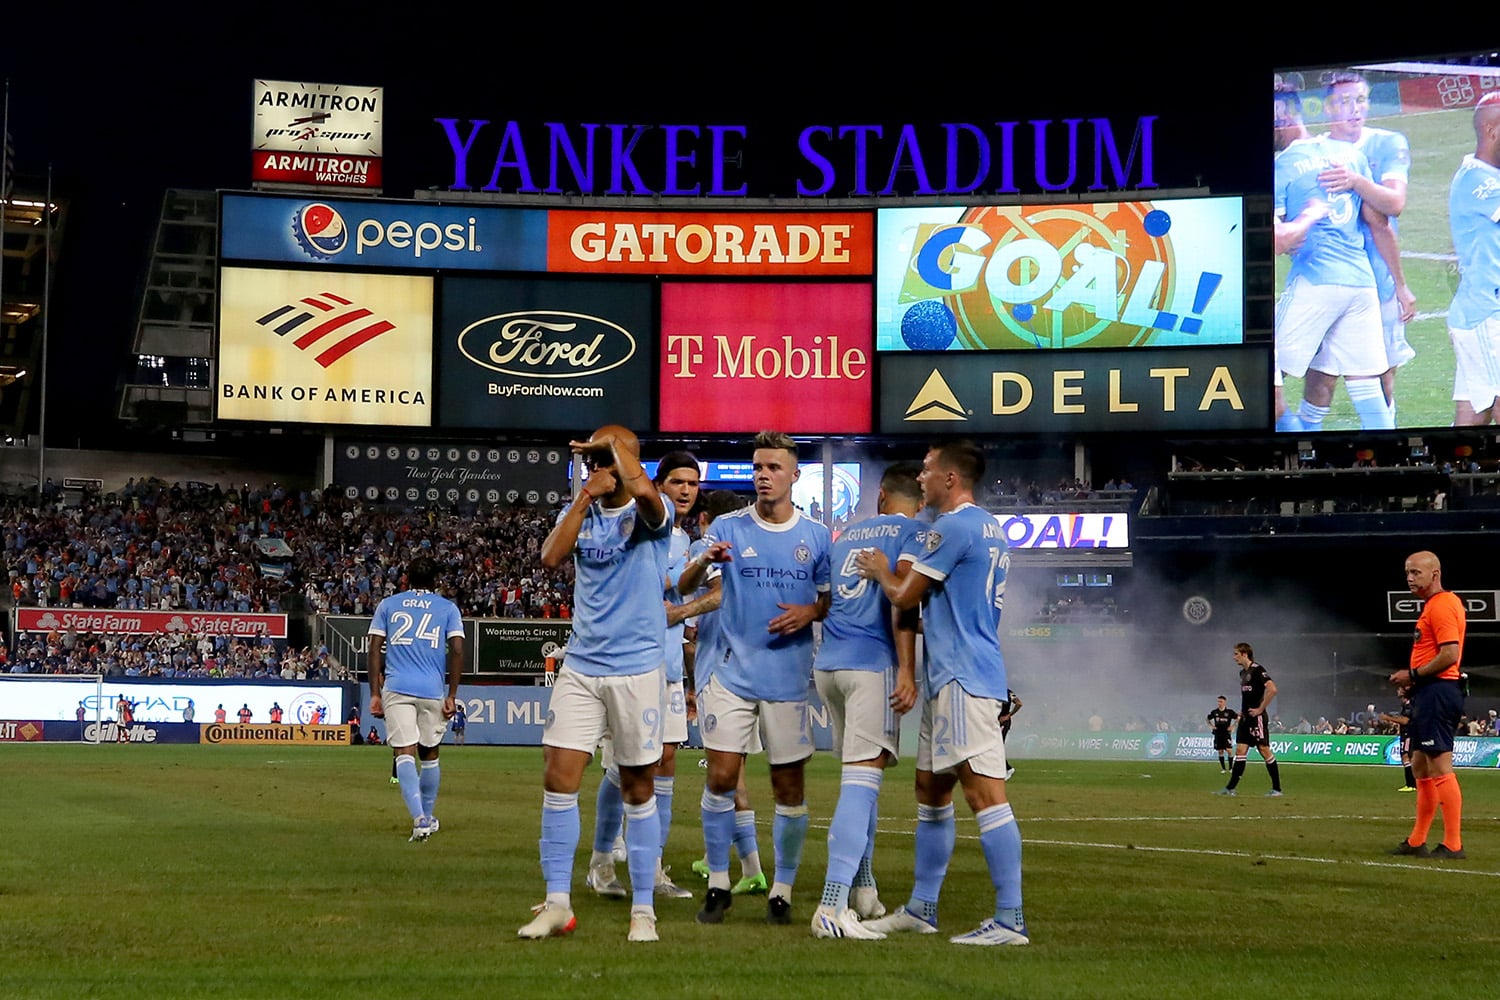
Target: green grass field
{"points": [[1424, 386], [248, 872]]}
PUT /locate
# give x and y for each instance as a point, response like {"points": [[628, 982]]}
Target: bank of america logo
{"points": [[935, 401], [315, 318]]}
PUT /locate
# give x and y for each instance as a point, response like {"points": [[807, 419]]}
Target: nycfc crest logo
{"points": [[932, 541], [1197, 610], [802, 553]]}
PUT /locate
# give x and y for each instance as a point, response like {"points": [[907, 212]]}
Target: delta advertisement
{"points": [[389, 235], [1468, 751], [1026, 277], [230, 623], [325, 348], [546, 354], [739, 358], [1168, 389]]}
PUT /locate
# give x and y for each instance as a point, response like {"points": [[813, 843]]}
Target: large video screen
{"points": [[1363, 320], [1025, 277]]}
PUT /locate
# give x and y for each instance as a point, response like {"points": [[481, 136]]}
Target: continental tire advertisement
{"points": [[220, 734]]}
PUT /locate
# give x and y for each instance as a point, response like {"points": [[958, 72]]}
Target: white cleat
{"points": [[865, 901], [642, 926], [668, 889], [434, 821], [601, 878], [551, 920], [621, 853], [845, 923], [420, 830], [992, 932], [903, 920]]}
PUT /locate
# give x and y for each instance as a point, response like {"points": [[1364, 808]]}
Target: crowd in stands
{"points": [[1013, 492], [154, 546]]}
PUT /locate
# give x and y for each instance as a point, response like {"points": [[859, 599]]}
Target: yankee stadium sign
{"points": [[862, 160]]}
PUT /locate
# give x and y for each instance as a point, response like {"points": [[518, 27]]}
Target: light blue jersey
{"points": [[1389, 155], [710, 648], [676, 563], [417, 625], [1334, 251], [857, 632], [1474, 216], [773, 564], [620, 561], [965, 555]]}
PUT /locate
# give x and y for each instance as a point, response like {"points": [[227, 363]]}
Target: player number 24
{"points": [[425, 629]]}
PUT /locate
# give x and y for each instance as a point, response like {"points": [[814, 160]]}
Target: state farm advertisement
{"points": [[832, 244], [738, 358], [148, 622]]}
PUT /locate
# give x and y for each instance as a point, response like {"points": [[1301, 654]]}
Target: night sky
{"points": [[123, 110]]}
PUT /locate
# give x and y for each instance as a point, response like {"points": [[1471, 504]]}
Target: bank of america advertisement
{"points": [[1014, 277], [325, 348], [390, 235], [545, 354], [1174, 389]]}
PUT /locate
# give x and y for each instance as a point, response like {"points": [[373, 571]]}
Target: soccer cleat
{"points": [[395, 780], [1010, 772], [1224, 791], [715, 904], [901, 920], [666, 887], [865, 901], [1407, 847], [751, 885], [700, 867], [1274, 793], [1445, 852], [830, 923], [992, 932], [434, 821], [551, 920], [601, 878], [1406, 788], [642, 926], [420, 830], [778, 910], [621, 853]]}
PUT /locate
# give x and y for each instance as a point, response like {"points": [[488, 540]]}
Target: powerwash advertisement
{"points": [[1468, 751]]}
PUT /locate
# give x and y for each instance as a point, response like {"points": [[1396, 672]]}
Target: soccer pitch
{"points": [[135, 871]]}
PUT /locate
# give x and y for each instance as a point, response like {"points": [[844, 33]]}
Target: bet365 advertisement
{"points": [[1109, 274]]}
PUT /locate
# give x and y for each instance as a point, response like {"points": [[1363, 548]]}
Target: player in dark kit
{"points": [[1256, 693], [1222, 721], [1402, 722]]}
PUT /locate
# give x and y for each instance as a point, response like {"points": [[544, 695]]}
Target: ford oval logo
{"points": [[546, 344]]}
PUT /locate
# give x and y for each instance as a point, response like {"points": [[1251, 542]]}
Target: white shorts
{"points": [[629, 709], [1398, 350], [412, 721], [1476, 368], [1339, 325], [859, 707], [731, 724], [958, 727], [674, 714]]}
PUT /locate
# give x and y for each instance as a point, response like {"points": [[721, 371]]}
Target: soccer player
{"points": [[1221, 721], [702, 605], [774, 580], [1256, 693], [677, 478], [460, 721], [1389, 155], [1402, 722], [617, 531], [1474, 316], [866, 675], [416, 659], [1437, 702], [1008, 709], [955, 570], [1330, 309]]}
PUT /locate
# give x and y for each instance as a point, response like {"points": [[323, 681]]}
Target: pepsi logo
{"points": [[320, 231]]}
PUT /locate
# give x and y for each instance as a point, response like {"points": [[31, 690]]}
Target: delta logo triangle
{"points": [[935, 401]]}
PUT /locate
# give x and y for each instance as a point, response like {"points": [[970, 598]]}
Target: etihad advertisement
{"points": [[325, 348], [1177, 389], [738, 358], [391, 235], [545, 354], [1017, 277], [743, 244]]}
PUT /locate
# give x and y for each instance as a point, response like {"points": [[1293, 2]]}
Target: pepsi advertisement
{"points": [[390, 235]]}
